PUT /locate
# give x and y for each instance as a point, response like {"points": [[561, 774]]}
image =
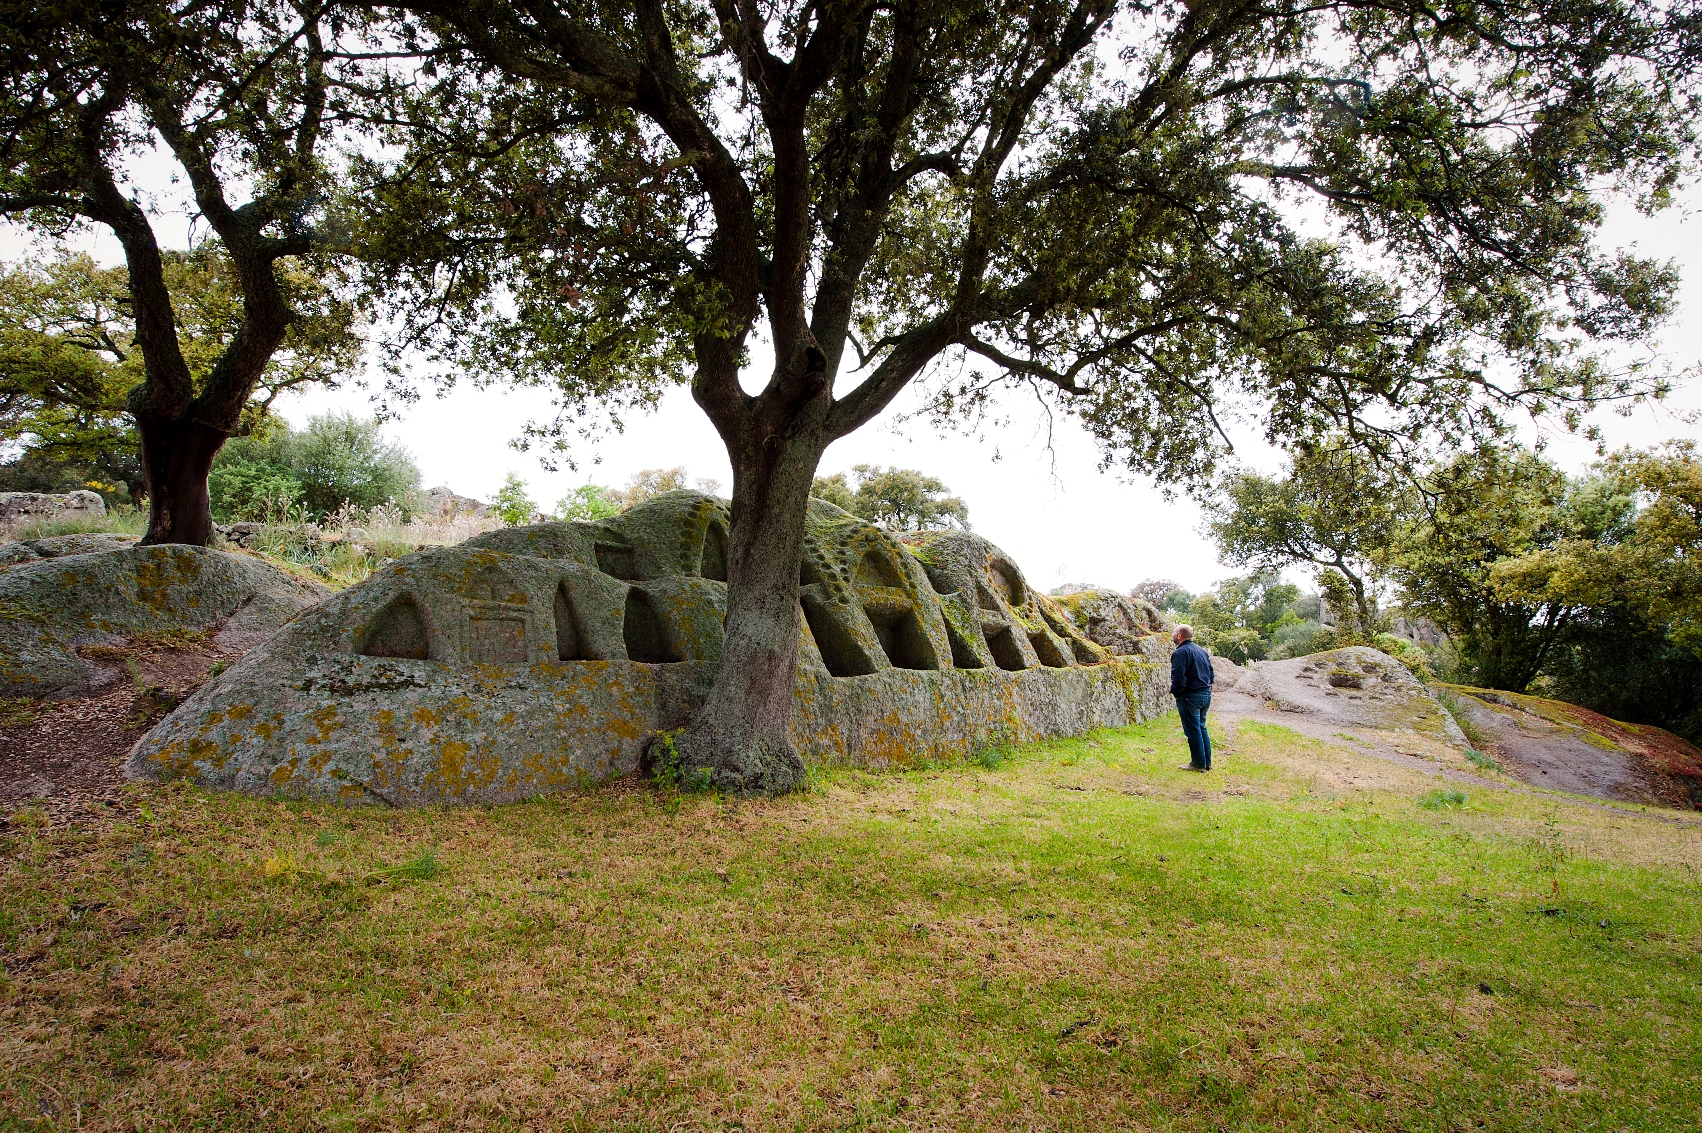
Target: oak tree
{"points": [[238, 97], [1371, 218]]}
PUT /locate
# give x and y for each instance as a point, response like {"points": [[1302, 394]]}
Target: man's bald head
{"points": [[1183, 633]]}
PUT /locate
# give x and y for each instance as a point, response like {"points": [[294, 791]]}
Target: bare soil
{"points": [[66, 758]]}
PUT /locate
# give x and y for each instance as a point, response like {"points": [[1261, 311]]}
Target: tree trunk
{"points": [[741, 740], [176, 457]]}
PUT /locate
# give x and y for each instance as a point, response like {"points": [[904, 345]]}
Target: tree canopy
{"points": [[898, 499]]}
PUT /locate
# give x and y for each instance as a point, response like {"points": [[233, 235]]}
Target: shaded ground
{"points": [[67, 757]]}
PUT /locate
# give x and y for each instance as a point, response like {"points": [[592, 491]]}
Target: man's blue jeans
{"points": [[1192, 708]]}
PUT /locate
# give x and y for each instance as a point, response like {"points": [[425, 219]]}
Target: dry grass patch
{"points": [[1083, 938]]}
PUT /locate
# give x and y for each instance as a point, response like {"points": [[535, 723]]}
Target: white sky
{"points": [[1054, 513]]}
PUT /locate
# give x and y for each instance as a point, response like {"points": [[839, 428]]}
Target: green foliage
{"points": [[251, 490], [1481, 760], [1336, 509], [511, 503], [1407, 653], [898, 499], [1238, 618], [1460, 277], [120, 520], [1443, 798], [1483, 508], [422, 868], [587, 503], [336, 460]]}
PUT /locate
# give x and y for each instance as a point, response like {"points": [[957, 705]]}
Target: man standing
{"points": [[1190, 683]]}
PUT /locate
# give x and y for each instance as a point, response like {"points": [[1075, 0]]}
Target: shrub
{"points": [[1443, 798], [587, 503], [512, 503], [337, 459]]}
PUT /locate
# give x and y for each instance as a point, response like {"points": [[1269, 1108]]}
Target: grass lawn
{"points": [[1079, 937]]}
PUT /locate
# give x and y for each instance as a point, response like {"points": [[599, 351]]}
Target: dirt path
{"points": [[67, 757]]}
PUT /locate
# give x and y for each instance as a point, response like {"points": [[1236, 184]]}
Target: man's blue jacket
{"points": [[1190, 670]]}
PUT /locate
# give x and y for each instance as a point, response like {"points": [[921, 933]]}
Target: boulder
{"points": [[1126, 626], [90, 593], [1353, 687], [57, 546], [534, 659], [19, 508]]}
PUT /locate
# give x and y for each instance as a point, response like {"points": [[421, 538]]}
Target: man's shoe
{"points": [[1191, 767]]}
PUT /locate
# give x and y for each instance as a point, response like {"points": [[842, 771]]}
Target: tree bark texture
{"points": [[176, 457]]}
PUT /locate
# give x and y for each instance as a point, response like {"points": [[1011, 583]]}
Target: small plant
{"points": [[1443, 798], [992, 758], [422, 868], [1481, 760], [17, 712], [1463, 717], [287, 869]]}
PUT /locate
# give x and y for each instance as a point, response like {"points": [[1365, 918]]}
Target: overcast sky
{"points": [[1049, 507]]}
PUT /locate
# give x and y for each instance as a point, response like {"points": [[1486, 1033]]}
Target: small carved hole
{"points": [[646, 636], [1007, 654], [570, 643], [839, 650], [904, 640], [714, 562], [399, 630]]}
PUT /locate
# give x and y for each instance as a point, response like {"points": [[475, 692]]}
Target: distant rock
{"points": [[1126, 626], [19, 508], [1352, 687], [443, 503], [1548, 743], [71, 596], [58, 546]]}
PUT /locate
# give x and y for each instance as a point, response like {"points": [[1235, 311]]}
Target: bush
{"points": [[1408, 654], [587, 503], [251, 490], [1239, 645], [337, 459]]}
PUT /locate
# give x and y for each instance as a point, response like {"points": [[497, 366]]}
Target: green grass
{"points": [[120, 520], [1077, 937], [1462, 716]]}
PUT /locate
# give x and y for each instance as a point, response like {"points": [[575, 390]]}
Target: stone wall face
{"points": [[540, 658]]}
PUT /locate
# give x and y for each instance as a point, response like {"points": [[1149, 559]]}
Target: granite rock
{"points": [[535, 659], [19, 508], [73, 596]]}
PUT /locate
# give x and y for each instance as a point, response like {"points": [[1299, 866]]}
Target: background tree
{"points": [[1092, 200], [1626, 571], [242, 100], [1336, 509], [511, 503], [649, 482], [1480, 509], [898, 499], [68, 357], [587, 503], [1240, 616], [1155, 590]]}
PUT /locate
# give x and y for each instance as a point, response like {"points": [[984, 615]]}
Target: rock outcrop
{"points": [[1124, 625], [19, 508], [442, 502], [1353, 687], [58, 546], [1549, 743], [538, 658], [80, 590]]}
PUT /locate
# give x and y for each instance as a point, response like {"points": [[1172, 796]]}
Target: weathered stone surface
{"points": [[1549, 743], [18, 508], [1126, 626], [537, 658], [1355, 687], [443, 503], [70, 597], [58, 546]]}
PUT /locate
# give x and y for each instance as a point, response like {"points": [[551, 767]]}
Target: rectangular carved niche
{"points": [[496, 633]]}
